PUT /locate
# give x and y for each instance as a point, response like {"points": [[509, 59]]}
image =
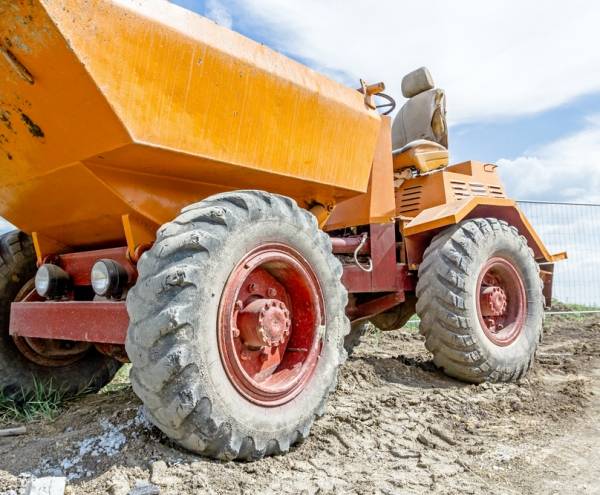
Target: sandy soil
{"points": [[395, 425]]}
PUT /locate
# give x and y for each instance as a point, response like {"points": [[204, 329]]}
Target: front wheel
{"points": [[480, 301], [237, 324]]}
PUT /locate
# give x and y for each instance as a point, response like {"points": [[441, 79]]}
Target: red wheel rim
{"points": [[269, 318], [501, 301]]}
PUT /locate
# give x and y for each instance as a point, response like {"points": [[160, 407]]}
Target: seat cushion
{"points": [[422, 155]]}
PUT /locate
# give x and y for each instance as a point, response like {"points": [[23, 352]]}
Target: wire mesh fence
{"points": [[574, 228]]}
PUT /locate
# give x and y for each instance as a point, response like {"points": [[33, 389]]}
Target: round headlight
{"points": [[109, 278], [51, 281]]}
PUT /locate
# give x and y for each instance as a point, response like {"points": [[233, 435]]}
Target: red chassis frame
{"points": [[107, 321]]}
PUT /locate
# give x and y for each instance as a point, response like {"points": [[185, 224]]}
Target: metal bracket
{"points": [[370, 90]]}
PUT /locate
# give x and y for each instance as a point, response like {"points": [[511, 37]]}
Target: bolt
{"points": [[235, 332], [251, 288], [271, 292]]}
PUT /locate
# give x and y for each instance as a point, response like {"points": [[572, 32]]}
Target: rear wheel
{"points": [[237, 325], [70, 367], [397, 317], [480, 301]]}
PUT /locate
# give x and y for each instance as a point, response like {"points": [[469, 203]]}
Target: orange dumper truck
{"points": [[227, 220]]}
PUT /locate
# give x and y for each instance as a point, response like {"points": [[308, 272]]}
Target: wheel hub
{"points": [[264, 322], [493, 301], [502, 301], [269, 318]]}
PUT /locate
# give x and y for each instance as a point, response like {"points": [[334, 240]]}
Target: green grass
{"points": [[44, 401], [412, 324]]}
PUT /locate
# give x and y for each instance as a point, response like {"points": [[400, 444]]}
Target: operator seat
{"points": [[419, 131]]}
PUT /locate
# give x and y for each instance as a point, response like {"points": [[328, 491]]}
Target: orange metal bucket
{"points": [[112, 107]]}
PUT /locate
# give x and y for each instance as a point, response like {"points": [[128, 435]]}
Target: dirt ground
{"points": [[395, 425]]}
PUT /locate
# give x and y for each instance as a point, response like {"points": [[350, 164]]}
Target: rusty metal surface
{"points": [[348, 245], [79, 265], [374, 307], [387, 274], [98, 322], [140, 108], [547, 274], [115, 351], [46, 352]]}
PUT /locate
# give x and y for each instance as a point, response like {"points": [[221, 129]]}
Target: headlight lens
{"points": [[100, 278], [51, 281], [109, 278]]}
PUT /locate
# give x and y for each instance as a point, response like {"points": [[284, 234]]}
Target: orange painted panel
{"points": [[112, 107], [378, 204]]}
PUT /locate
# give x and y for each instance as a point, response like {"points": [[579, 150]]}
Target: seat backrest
{"points": [[423, 116]]}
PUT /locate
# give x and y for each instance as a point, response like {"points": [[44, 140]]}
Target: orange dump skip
{"points": [[120, 107]]}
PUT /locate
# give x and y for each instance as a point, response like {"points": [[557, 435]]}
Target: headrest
{"points": [[416, 82]]}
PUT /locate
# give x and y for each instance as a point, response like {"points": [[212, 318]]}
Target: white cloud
{"points": [[564, 170], [217, 12], [495, 58]]}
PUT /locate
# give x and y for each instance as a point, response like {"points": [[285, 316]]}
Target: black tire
{"points": [[17, 373], [397, 317], [447, 303], [172, 339]]}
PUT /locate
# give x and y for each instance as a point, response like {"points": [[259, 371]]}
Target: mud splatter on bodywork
{"points": [[34, 129], [5, 119]]}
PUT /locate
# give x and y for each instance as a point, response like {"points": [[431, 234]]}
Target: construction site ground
{"points": [[394, 425]]}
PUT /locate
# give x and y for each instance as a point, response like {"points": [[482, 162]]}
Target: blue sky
{"points": [[523, 83]]}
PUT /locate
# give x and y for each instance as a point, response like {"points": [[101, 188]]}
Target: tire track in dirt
{"points": [[394, 425]]}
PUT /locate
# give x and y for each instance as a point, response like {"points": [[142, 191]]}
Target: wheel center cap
{"points": [[264, 322], [493, 301]]}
